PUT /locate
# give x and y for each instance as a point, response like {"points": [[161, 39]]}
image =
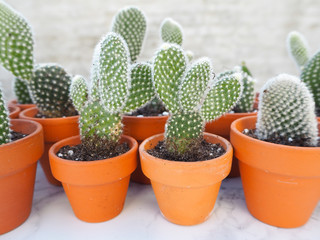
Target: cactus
{"points": [[4, 122], [310, 75], [171, 31], [191, 96], [48, 84], [21, 91], [298, 48], [131, 24], [120, 89], [286, 109]]}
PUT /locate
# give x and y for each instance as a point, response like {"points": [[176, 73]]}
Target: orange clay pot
{"points": [[13, 111], [186, 191], [221, 127], [18, 161], [141, 128], [96, 189], [21, 106], [280, 183], [54, 129]]}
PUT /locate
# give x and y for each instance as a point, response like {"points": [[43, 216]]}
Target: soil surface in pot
{"points": [[16, 135], [80, 153], [205, 151], [318, 112], [39, 115], [277, 139]]}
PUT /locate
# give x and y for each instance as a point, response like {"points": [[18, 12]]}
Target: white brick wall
{"points": [[228, 31]]}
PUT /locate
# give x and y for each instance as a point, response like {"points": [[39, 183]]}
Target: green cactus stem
{"points": [[191, 96], [287, 109], [298, 48], [21, 91], [16, 43], [131, 24], [49, 89], [171, 31], [4, 122], [310, 75]]}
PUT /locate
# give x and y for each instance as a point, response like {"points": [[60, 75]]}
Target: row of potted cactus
{"points": [[196, 100]]}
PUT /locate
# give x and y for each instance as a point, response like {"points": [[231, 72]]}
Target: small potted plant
{"points": [[181, 163], [244, 107], [48, 84], [309, 67], [96, 182], [20, 149], [23, 99], [278, 154]]}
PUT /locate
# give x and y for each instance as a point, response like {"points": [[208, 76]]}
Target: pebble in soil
{"points": [[80, 153], [205, 151], [277, 139]]}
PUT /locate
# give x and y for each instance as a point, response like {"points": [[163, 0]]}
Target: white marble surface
{"points": [[52, 218]]}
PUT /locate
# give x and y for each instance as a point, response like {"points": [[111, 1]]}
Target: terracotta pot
{"points": [[186, 191], [54, 129], [21, 106], [221, 127], [280, 183], [96, 189], [141, 128], [18, 162], [13, 111]]}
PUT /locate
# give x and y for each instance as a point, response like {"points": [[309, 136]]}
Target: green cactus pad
{"points": [[195, 83], [189, 55], [99, 129], [286, 108], [114, 72], [169, 67], [94, 73], [21, 91], [4, 122], [184, 131], [222, 97], [16, 43], [298, 48], [141, 90], [311, 77], [79, 92], [171, 31], [131, 24], [49, 89]]}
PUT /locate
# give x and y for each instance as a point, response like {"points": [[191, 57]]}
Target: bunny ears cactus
{"points": [[4, 122], [191, 96], [286, 108], [48, 84], [120, 88]]}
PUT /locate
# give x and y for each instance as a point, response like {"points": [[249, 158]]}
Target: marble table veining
{"points": [[52, 218]]}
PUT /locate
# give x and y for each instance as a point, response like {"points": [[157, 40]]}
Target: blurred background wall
{"points": [[227, 31]]}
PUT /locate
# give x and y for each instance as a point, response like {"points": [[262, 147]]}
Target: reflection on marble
{"points": [[52, 218]]}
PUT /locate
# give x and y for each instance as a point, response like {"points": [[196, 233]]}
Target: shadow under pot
{"points": [[221, 127], [186, 191], [96, 189], [54, 130], [140, 128], [280, 183], [18, 161]]}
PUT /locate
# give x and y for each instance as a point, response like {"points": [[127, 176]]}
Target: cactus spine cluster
{"points": [[47, 83], [4, 122], [310, 67], [191, 96], [121, 88], [286, 108], [21, 91]]}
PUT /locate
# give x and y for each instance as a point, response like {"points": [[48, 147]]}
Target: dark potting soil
{"points": [[318, 112], [16, 135], [205, 151], [80, 153], [150, 110], [277, 139]]}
